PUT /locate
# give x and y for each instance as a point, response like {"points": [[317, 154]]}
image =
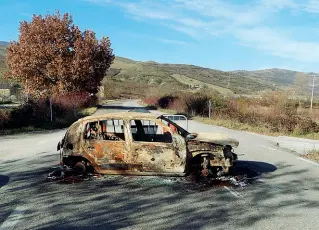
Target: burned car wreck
{"points": [[143, 144]]}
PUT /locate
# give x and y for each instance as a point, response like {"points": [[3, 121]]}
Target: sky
{"points": [[219, 34]]}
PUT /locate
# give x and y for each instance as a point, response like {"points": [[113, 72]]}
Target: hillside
{"points": [[156, 73], [151, 73], [280, 77], [3, 46]]}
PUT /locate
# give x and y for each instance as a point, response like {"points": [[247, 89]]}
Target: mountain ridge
{"points": [[188, 75]]}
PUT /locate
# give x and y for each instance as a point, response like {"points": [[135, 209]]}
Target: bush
{"points": [[4, 117], [165, 101], [186, 103], [275, 112], [196, 104], [22, 116], [37, 112]]}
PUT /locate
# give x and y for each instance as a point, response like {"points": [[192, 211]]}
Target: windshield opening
{"points": [[180, 130]]}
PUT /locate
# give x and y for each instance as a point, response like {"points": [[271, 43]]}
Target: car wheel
{"points": [[80, 167]]}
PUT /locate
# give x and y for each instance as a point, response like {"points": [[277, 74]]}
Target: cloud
{"points": [[278, 44], [252, 23], [98, 2], [159, 39], [312, 6], [171, 41]]}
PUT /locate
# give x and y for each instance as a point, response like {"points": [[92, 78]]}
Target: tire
{"points": [[80, 168]]}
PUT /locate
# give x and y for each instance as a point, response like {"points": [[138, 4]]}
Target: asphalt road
{"points": [[285, 196]]}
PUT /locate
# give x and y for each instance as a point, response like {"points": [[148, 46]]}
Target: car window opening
{"points": [[174, 126], [150, 131], [109, 130]]}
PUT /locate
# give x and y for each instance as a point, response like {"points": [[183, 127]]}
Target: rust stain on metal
{"points": [[144, 144]]}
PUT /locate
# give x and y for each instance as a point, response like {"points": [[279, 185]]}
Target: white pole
{"points": [[313, 87], [51, 115], [209, 108]]}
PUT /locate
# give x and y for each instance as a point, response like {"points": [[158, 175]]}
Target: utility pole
{"points": [[312, 91], [209, 108]]}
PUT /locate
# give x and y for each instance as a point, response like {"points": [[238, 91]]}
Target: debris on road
{"points": [[65, 174]]}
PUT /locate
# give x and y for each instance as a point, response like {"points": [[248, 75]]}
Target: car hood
{"points": [[215, 138]]}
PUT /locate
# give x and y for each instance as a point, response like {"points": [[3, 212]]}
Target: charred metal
{"points": [[143, 144]]}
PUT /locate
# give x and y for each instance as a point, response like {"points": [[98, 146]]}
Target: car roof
{"points": [[122, 115]]}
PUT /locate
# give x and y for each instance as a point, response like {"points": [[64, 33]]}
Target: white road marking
{"points": [[13, 219], [308, 161], [233, 192], [267, 147]]}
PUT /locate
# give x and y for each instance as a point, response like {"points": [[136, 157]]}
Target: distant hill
{"points": [[280, 77], [151, 72], [3, 43], [191, 76], [3, 47]]}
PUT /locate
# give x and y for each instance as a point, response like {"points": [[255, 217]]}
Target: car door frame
{"points": [[96, 156], [176, 152]]}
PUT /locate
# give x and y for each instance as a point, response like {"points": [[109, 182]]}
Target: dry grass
{"points": [[233, 124], [87, 111], [312, 155], [236, 125], [314, 114]]}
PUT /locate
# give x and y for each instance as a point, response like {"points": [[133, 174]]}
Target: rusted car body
{"points": [[143, 144]]}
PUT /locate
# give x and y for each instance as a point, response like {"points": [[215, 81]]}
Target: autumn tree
{"points": [[52, 56]]}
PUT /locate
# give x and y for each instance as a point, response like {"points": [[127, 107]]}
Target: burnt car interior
{"points": [[149, 131], [110, 130], [142, 131]]}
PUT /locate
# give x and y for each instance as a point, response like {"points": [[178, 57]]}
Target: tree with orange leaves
{"points": [[52, 56]]}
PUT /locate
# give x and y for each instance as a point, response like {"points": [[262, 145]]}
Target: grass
{"points": [[87, 111], [190, 81], [312, 155], [232, 124], [21, 130], [5, 102]]}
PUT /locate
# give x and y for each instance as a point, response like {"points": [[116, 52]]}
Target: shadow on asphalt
{"points": [[126, 107], [252, 168], [137, 202], [3, 180]]}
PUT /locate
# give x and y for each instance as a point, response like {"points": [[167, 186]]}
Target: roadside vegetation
{"points": [[35, 114], [272, 113]]}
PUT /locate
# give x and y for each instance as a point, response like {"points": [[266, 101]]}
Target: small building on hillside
{"points": [[10, 92]]}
